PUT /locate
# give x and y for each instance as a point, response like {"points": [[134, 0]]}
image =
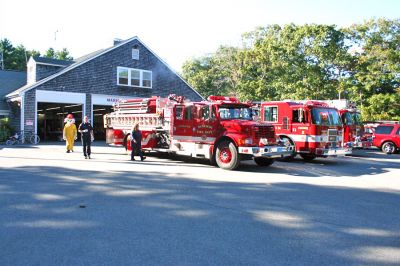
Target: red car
{"points": [[387, 138]]}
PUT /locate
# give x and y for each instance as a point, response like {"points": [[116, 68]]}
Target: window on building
{"points": [[122, 76], [271, 113], [147, 77], [134, 77], [135, 54]]}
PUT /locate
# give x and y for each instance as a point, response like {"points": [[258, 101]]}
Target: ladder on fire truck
{"points": [[145, 111]]}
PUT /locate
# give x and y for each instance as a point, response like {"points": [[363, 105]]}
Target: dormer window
{"points": [[135, 54]]}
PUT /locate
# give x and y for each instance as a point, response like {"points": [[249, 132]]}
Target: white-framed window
{"points": [[135, 54], [134, 77], [147, 78], [123, 76]]}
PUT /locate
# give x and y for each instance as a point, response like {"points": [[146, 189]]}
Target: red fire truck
{"points": [[314, 128], [220, 129], [353, 128]]}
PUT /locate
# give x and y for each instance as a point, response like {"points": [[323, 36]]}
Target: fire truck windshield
{"points": [[348, 119], [235, 112], [326, 117], [357, 119], [351, 118]]}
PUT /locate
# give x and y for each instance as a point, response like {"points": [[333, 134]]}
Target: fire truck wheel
{"points": [[261, 161], [227, 156], [389, 147], [308, 157]]}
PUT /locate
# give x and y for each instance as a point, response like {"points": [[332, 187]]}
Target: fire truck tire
{"points": [[261, 161], [227, 156], [213, 161], [389, 147], [308, 157]]}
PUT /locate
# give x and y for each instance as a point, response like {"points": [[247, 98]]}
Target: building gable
{"points": [[98, 74]]}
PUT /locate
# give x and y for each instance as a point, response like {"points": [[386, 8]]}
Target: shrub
{"points": [[5, 129]]}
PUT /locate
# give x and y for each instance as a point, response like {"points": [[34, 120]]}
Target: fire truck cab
{"points": [[314, 128], [220, 129]]}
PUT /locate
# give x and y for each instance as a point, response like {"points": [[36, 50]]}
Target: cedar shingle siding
{"points": [[99, 76]]}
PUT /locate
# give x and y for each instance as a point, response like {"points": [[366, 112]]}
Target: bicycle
{"points": [[32, 137], [22, 137]]}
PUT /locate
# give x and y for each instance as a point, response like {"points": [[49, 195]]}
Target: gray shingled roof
{"points": [[10, 81], [87, 58], [51, 61]]}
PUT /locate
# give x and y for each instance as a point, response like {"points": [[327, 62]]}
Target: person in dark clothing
{"points": [[136, 143], [86, 130]]}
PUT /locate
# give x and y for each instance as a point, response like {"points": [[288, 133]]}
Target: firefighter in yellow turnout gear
{"points": [[69, 132]]}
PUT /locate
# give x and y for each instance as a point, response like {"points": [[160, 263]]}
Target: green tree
{"points": [[63, 55], [15, 58], [382, 106], [8, 49], [60, 55], [376, 48], [296, 62], [216, 74], [50, 53]]}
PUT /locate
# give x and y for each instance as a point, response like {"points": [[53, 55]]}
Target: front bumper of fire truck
{"points": [[362, 144], [333, 151], [267, 151]]}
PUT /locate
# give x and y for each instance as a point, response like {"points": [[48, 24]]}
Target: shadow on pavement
{"points": [[52, 215]]}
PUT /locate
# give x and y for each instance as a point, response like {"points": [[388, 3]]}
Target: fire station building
{"points": [[89, 86]]}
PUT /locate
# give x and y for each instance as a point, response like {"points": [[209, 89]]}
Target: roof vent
{"points": [[117, 41]]}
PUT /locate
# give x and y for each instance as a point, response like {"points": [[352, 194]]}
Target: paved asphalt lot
{"points": [[59, 209]]}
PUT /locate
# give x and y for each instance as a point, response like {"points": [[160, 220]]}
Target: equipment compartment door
{"points": [[182, 126], [207, 124]]}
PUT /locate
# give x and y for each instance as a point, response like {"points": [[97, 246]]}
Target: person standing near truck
{"points": [[136, 143], [86, 130]]}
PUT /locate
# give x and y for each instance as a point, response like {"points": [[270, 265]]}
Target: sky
{"points": [[176, 30]]}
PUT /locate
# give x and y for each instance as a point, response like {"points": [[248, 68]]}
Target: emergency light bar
{"points": [[214, 98], [316, 103]]}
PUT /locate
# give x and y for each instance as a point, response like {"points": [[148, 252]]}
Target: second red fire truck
{"points": [[314, 128], [353, 128], [220, 129]]}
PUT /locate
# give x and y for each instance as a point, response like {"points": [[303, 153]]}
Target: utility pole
{"points": [[1, 60]]}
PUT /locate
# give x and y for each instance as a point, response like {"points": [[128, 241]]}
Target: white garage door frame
{"points": [[59, 97]]}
